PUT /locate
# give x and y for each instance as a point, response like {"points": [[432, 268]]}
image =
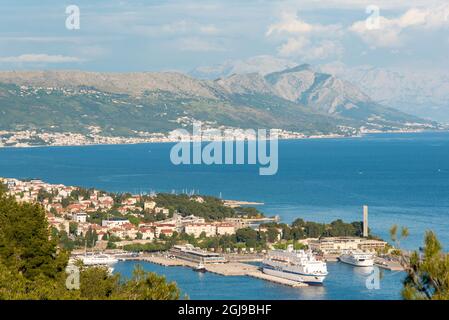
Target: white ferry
{"points": [[98, 260], [357, 258], [296, 265]]}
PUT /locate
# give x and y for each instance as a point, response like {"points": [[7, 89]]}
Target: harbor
{"points": [[224, 269], [289, 267], [343, 282]]}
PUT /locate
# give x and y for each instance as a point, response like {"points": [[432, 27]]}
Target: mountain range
{"points": [[298, 99], [422, 92], [417, 90]]}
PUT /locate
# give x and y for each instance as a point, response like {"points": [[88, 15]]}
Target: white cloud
{"points": [[325, 49], [39, 58], [294, 46], [306, 40], [391, 31], [291, 24], [310, 51]]}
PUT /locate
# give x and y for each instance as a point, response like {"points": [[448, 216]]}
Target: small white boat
{"points": [[200, 268], [357, 258], [98, 260]]}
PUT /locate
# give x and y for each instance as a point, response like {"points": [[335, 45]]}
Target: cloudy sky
{"points": [[121, 35]]}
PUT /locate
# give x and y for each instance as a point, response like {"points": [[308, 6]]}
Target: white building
{"points": [[147, 233], [196, 229], [335, 245], [225, 228], [161, 210], [79, 217], [113, 223], [149, 205]]}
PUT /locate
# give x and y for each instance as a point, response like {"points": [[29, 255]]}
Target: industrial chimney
{"points": [[365, 221]]}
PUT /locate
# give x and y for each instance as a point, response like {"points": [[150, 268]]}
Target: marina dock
{"points": [[161, 260], [224, 269], [267, 277], [238, 265], [388, 264]]}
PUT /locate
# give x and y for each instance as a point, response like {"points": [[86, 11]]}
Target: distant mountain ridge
{"points": [[417, 90], [263, 64], [298, 99], [423, 92]]}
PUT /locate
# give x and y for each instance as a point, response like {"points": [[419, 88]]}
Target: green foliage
{"points": [[427, 272], [147, 247], [73, 227], [97, 283], [249, 212], [272, 234], [147, 286], [3, 188], [296, 245], [33, 267], [42, 195], [134, 220], [111, 245], [24, 240], [250, 237], [300, 229], [397, 238], [58, 111], [64, 241], [212, 208], [91, 238]]}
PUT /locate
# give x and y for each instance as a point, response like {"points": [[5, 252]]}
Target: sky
{"points": [[171, 35]]}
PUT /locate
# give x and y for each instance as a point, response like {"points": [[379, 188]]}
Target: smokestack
{"points": [[365, 221]]}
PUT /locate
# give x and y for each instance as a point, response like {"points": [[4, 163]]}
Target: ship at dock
{"points": [[98, 260], [95, 260], [357, 258], [296, 265]]}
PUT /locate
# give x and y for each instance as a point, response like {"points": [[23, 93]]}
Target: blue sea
{"points": [[403, 178]]}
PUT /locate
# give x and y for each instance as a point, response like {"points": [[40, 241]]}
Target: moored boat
{"points": [[98, 259], [357, 258], [200, 268], [295, 265]]}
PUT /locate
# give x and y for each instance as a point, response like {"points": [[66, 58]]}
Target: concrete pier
{"points": [[243, 269], [267, 277], [167, 262], [388, 264], [224, 269], [232, 269]]}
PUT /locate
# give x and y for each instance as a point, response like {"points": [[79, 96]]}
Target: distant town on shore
{"points": [[102, 220]]}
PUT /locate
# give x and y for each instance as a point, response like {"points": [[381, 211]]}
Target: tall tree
{"points": [[25, 242], [427, 269]]}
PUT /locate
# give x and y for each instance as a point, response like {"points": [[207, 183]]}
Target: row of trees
{"points": [[301, 229], [210, 208]]}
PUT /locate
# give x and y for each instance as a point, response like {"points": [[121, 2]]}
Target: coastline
{"points": [[168, 141]]}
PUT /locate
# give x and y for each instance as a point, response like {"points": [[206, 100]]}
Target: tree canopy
{"points": [[427, 268]]}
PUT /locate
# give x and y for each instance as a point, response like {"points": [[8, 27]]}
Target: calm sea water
{"points": [[404, 178], [344, 283]]}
